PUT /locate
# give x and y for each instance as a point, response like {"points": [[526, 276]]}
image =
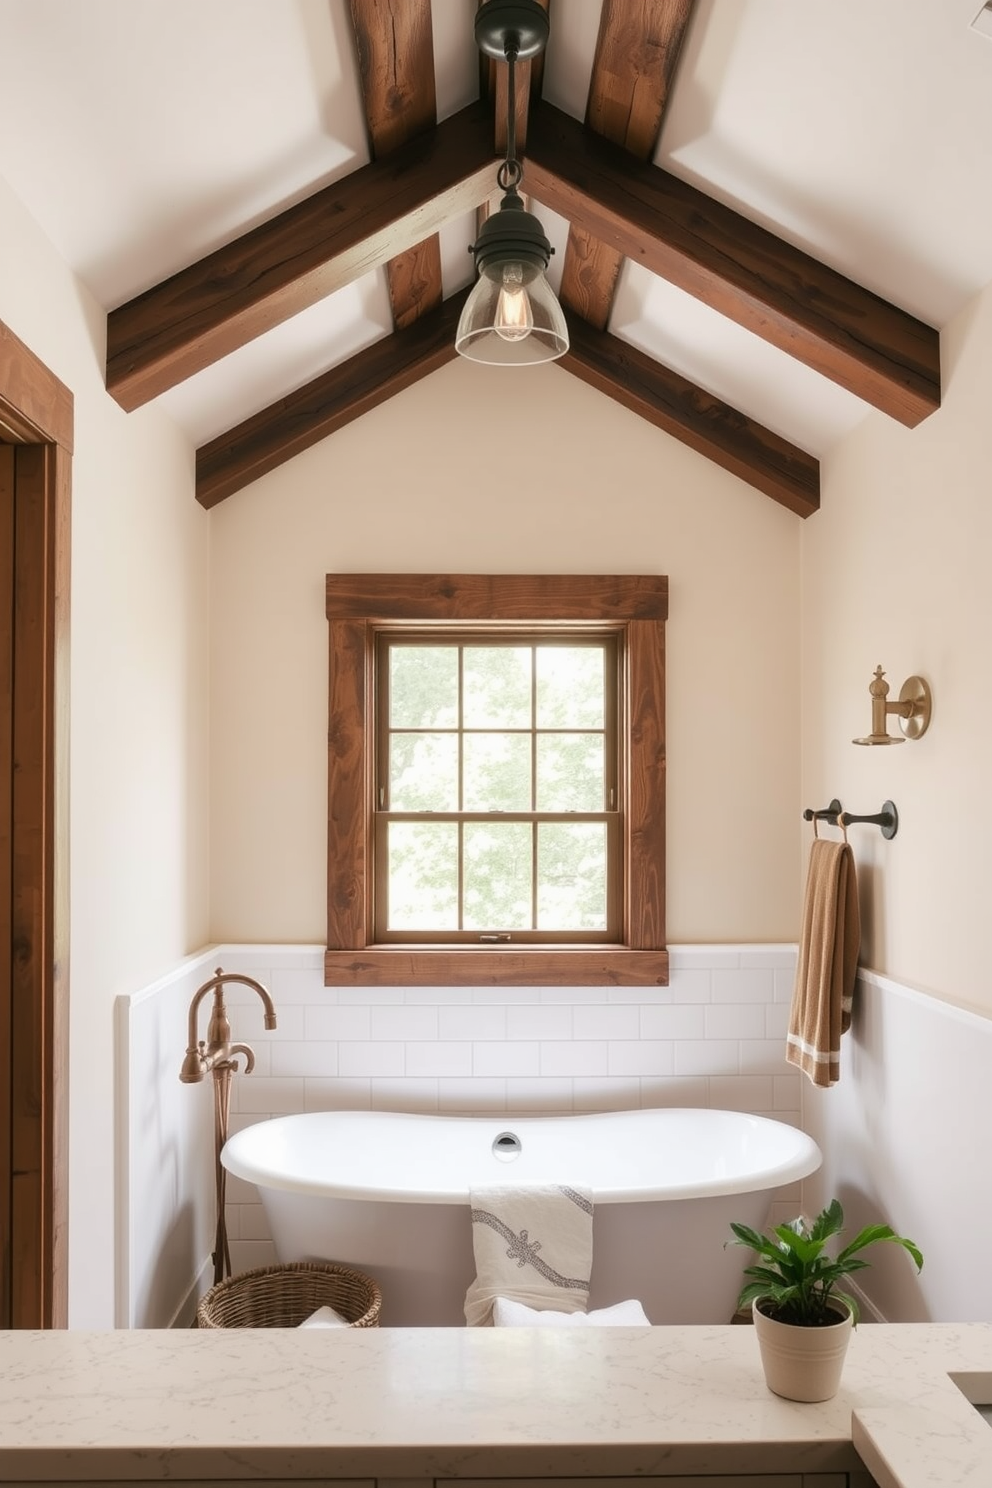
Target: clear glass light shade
{"points": [[511, 318]]}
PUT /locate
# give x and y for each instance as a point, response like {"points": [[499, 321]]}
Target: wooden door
{"points": [[35, 458], [6, 862]]}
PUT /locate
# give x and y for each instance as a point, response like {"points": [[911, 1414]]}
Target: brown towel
{"points": [[828, 962]]}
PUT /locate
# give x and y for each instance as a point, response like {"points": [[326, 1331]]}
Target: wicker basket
{"points": [[284, 1296]]}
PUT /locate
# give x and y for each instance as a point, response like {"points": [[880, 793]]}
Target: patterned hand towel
{"points": [[533, 1245], [828, 962]]}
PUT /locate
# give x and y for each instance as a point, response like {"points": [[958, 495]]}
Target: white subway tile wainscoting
{"points": [[714, 1037], [523, 1050], [898, 1132]]}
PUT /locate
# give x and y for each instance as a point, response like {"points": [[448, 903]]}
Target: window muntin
{"points": [[496, 795]]}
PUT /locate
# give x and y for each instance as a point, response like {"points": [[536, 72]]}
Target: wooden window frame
{"points": [[356, 604]]}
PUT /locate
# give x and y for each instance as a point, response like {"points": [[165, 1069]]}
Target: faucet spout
{"points": [[203, 1056]]}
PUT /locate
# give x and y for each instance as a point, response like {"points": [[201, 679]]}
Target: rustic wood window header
{"points": [[360, 609]]}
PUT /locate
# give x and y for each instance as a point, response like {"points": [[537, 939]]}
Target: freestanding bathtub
{"points": [[389, 1194]]}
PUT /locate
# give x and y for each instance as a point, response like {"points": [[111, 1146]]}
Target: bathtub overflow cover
{"points": [[507, 1146]]}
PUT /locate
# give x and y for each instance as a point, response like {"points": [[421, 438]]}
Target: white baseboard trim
{"points": [[186, 1311], [869, 1312]]}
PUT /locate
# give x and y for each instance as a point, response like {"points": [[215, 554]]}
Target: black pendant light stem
{"points": [[511, 171], [512, 314]]}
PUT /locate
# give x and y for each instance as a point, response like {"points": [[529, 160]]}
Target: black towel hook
{"points": [[887, 819], [827, 813]]}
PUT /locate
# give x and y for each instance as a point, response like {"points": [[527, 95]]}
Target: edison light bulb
{"points": [[514, 316]]}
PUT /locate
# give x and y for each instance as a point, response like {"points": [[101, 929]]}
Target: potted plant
{"points": [[802, 1317]]}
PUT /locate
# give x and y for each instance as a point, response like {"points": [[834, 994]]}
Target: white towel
{"points": [[508, 1314], [533, 1245], [324, 1317]]}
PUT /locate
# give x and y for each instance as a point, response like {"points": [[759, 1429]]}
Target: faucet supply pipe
{"points": [[218, 1057]]}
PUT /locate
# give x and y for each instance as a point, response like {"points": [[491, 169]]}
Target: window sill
{"points": [[427, 966]]}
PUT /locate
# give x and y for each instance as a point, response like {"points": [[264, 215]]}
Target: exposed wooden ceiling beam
{"points": [[623, 206], [396, 68], [637, 50], [763, 459], [270, 438], [305, 253], [876, 351]]}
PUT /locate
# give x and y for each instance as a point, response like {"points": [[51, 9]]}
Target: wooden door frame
{"points": [[36, 416]]}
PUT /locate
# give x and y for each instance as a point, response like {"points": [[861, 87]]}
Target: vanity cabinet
{"points": [[682, 1480], [707, 1480]]}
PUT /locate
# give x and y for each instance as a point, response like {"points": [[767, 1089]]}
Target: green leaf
{"points": [[744, 1235], [765, 1276], [829, 1221], [851, 1303], [753, 1292], [838, 1268], [803, 1249], [871, 1233]]}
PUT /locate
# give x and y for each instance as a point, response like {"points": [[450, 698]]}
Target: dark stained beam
{"points": [[396, 68], [763, 459], [305, 253], [529, 597], [294, 423], [637, 50], [855, 338]]}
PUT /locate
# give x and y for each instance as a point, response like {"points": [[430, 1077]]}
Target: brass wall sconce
{"points": [[913, 710]]}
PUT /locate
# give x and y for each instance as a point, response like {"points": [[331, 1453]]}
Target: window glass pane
{"points": [[422, 875], [570, 772], [497, 876], [570, 686], [423, 772], [423, 686], [497, 772], [571, 876], [497, 683]]}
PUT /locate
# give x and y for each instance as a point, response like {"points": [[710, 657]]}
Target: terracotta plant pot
{"points": [[802, 1363]]}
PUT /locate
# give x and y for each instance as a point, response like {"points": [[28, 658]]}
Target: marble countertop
{"points": [[463, 1403]]}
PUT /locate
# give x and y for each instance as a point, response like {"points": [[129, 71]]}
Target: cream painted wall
{"points": [[895, 570], [474, 469], [139, 718]]}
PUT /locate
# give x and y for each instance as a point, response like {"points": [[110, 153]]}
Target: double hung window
{"points": [[496, 779], [496, 798]]}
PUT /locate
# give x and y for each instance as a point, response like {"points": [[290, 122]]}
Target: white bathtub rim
{"points": [[238, 1160]]}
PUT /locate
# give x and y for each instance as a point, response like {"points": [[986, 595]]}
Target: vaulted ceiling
{"points": [[624, 217]]}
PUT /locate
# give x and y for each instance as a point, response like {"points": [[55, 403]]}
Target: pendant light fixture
{"points": [[511, 317]]}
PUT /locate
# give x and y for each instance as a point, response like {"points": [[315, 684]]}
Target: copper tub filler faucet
{"points": [[218, 1057], [201, 1058]]}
